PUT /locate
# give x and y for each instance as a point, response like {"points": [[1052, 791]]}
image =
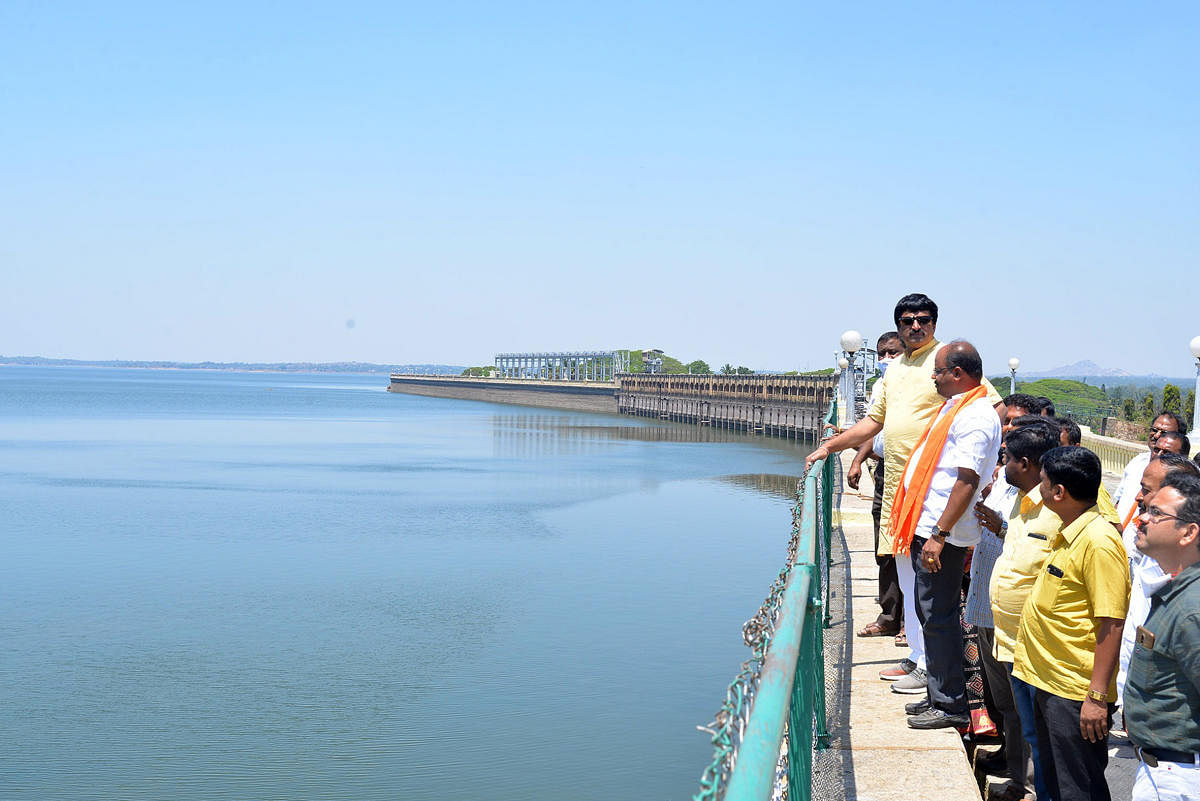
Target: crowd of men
{"points": [[1013, 577]]}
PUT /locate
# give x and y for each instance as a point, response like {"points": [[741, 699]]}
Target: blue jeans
{"points": [[1024, 695]]}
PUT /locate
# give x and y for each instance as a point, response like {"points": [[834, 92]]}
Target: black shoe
{"points": [[997, 761], [916, 707], [934, 718]]}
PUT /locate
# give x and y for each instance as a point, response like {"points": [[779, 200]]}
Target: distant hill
{"points": [[1091, 373], [1078, 370], [256, 367]]}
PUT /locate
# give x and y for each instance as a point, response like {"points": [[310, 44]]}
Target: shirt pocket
{"points": [[1046, 596]]}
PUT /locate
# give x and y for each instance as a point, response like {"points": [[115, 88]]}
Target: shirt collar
{"points": [[1069, 533], [921, 351], [1030, 500]]}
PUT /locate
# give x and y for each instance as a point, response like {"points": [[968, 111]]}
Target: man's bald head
{"points": [[963, 355]]}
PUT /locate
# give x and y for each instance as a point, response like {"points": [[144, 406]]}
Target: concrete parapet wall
{"points": [[571, 395]]}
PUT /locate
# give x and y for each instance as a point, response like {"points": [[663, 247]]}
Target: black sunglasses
{"points": [[921, 320]]}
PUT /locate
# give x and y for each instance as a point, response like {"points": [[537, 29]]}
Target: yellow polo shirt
{"points": [[1032, 529], [1105, 507], [906, 399], [1085, 578]]}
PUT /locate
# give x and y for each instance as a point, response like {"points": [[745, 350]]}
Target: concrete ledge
{"points": [[571, 395]]}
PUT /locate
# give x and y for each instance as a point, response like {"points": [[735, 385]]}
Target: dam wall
{"points": [[577, 396], [791, 407]]}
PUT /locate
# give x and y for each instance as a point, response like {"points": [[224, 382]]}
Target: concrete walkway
{"points": [[884, 758]]}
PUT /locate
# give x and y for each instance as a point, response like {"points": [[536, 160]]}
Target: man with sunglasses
{"points": [[905, 401], [1130, 480], [1162, 695]]}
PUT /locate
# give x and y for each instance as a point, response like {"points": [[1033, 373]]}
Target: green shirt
{"points": [[1162, 694]]}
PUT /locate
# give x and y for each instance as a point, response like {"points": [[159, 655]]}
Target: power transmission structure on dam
{"points": [[788, 406], [564, 366]]}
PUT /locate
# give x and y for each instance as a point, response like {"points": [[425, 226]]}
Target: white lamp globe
{"points": [[1014, 362], [1195, 346], [852, 341], [843, 363]]}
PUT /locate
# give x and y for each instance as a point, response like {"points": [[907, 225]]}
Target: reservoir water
{"points": [[280, 586]]}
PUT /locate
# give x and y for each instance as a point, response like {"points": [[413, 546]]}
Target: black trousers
{"points": [[891, 616], [939, 596], [1073, 768]]}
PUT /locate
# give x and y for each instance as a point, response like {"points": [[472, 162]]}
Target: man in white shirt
{"points": [[1127, 490], [944, 530]]}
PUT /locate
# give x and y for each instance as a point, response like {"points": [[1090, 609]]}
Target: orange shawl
{"points": [[906, 508]]}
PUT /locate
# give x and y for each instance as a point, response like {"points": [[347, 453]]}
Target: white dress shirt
{"points": [[973, 442]]}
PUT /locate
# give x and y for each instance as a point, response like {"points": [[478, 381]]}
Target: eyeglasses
{"points": [[939, 370], [921, 320], [1153, 430], [1157, 515]]}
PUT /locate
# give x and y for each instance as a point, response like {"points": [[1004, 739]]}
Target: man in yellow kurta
{"points": [[906, 399]]}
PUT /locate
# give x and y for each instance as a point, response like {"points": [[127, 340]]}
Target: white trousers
{"points": [[1170, 781], [907, 578]]}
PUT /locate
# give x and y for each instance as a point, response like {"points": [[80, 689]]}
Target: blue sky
{"points": [[238, 181]]}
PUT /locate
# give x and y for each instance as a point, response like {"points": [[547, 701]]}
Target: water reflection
{"points": [[537, 435], [780, 486]]}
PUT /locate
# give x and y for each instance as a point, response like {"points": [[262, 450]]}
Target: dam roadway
{"points": [[786, 406]]}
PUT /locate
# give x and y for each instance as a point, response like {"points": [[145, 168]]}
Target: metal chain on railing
{"points": [[729, 725]]}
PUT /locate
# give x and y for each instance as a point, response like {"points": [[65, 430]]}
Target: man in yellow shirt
{"points": [[906, 400], [1070, 632], [1028, 533]]}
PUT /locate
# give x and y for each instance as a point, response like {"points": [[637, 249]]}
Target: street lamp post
{"points": [[1195, 346], [852, 343], [844, 370], [1013, 364]]}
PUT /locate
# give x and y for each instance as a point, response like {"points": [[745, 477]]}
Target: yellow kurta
{"points": [[906, 399], [1032, 530]]}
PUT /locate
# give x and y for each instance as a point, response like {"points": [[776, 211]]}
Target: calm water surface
{"points": [[224, 585]]}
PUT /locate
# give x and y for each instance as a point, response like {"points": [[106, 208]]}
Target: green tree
{"points": [[744, 370], [1190, 409], [1172, 402], [1128, 409], [1148, 407], [700, 367], [728, 369]]}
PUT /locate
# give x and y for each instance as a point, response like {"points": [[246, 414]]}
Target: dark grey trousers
{"points": [[938, 603], [891, 618], [1020, 759], [1073, 767]]}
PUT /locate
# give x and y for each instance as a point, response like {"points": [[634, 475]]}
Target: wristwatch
{"points": [[1096, 695], [940, 534], [1003, 528]]}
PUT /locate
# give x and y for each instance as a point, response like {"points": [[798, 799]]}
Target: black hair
{"points": [[1180, 423], [884, 337], [1047, 406], [1074, 434], [1182, 437], [1189, 487], [911, 304], [1077, 469], [1022, 401], [964, 358], [1178, 462], [1030, 442], [1051, 423]]}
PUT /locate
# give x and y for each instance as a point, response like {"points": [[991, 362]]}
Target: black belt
{"points": [[1152, 756]]}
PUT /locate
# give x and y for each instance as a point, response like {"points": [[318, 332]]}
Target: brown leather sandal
{"points": [[875, 630]]}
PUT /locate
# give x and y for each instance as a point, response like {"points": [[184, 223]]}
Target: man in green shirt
{"points": [[1162, 694]]}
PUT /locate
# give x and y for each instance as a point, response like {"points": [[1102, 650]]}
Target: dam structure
{"points": [[786, 406]]}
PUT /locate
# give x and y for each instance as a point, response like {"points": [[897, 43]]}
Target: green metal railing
{"points": [[780, 692]]}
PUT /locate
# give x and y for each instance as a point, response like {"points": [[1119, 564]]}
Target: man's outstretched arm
{"points": [[852, 437]]}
